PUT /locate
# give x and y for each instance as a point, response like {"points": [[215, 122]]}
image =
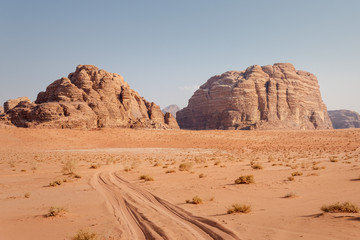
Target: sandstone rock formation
{"points": [[268, 97], [173, 109], [10, 104], [88, 98], [344, 119], [1, 110]]}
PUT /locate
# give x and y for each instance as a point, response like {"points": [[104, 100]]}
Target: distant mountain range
{"points": [[173, 108]]}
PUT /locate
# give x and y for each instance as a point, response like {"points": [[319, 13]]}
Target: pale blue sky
{"points": [[165, 48]]}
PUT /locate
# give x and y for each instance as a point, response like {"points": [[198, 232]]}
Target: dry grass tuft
{"points": [[196, 200], [171, 171], [55, 211], [146, 178], [291, 195], [294, 174], [84, 235], [95, 166], [291, 178], [256, 166], [345, 207], [56, 183], [186, 166], [69, 167], [27, 195], [246, 179], [201, 175], [239, 208]]}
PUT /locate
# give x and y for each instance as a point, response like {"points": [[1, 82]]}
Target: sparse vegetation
{"points": [[55, 211], [256, 166], [195, 200], [345, 207], [146, 178], [295, 174], [69, 167], [171, 171], [246, 179], [291, 195], [27, 195], [56, 183], [291, 178], [85, 235], [201, 175], [239, 208], [185, 166], [95, 166]]}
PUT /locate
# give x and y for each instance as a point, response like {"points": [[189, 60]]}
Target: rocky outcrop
{"points": [[88, 98], [267, 97], [10, 104], [173, 109], [1, 110], [344, 119]]}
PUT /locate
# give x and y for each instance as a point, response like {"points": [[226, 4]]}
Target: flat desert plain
{"points": [[177, 184]]}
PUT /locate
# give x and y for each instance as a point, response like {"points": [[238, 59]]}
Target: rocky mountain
{"points": [[344, 119], [269, 97], [88, 98], [173, 109]]}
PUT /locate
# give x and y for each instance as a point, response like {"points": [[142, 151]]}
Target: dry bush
{"points": [[85, 235], [256, 166], [69, 167], [56, 183], [217, 163], [171, 171], [55, 211], [291, 195], [27, 195], [196, 200], [186, 166], [246, 179], [345, 207], [239, 208], [146, 178], [95, 166], [201, 175], [294, 174], [291, 178]]}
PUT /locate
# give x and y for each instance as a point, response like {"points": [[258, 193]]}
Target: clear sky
{"points": [[165, 49]]}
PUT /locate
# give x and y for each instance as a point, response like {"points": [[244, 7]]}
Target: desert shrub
{"points": [[95, 166], [246, 179], [294, 174], [217, 163], [146, 178], [185, 166], [291, 195], [201, 175], [345, 207], [56, 183], [84, 235], [69, 167], [55, 211], [195, 200], [239, 208], [291, 178], [27, 195], [171, 171]]}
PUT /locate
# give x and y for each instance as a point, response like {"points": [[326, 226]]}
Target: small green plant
{"points": [[196, 200], [146, 178], [186, 166], [85, 235], [239, 208], [345, 207], [55, 211], [246, 179]]}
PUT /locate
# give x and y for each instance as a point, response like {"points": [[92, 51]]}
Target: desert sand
{"points": [[105, 195]]}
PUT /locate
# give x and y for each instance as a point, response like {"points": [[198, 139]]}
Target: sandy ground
{"points": [[105, 196]]}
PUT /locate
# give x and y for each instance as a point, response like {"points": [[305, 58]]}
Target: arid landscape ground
{"points": [[137, 184]]}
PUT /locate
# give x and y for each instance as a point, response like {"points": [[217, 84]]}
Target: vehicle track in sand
{"points": [[142, 215]]}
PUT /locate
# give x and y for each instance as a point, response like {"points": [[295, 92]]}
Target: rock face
{"points": [[88, 98], [173, 109], [1, 110], [267, 97], [10, 104], [344, 119]]}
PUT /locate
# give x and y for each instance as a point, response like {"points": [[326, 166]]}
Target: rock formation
{"points": [[268, 97], [1, 110], [344, 119], [87, 98], [173, 109], [10, 104]]}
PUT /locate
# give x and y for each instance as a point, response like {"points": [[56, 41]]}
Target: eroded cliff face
{"points": [[267, 97], [344, 119], [87, 98]]}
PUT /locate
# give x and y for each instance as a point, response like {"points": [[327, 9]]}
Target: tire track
{"points": [[142, 215]]}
